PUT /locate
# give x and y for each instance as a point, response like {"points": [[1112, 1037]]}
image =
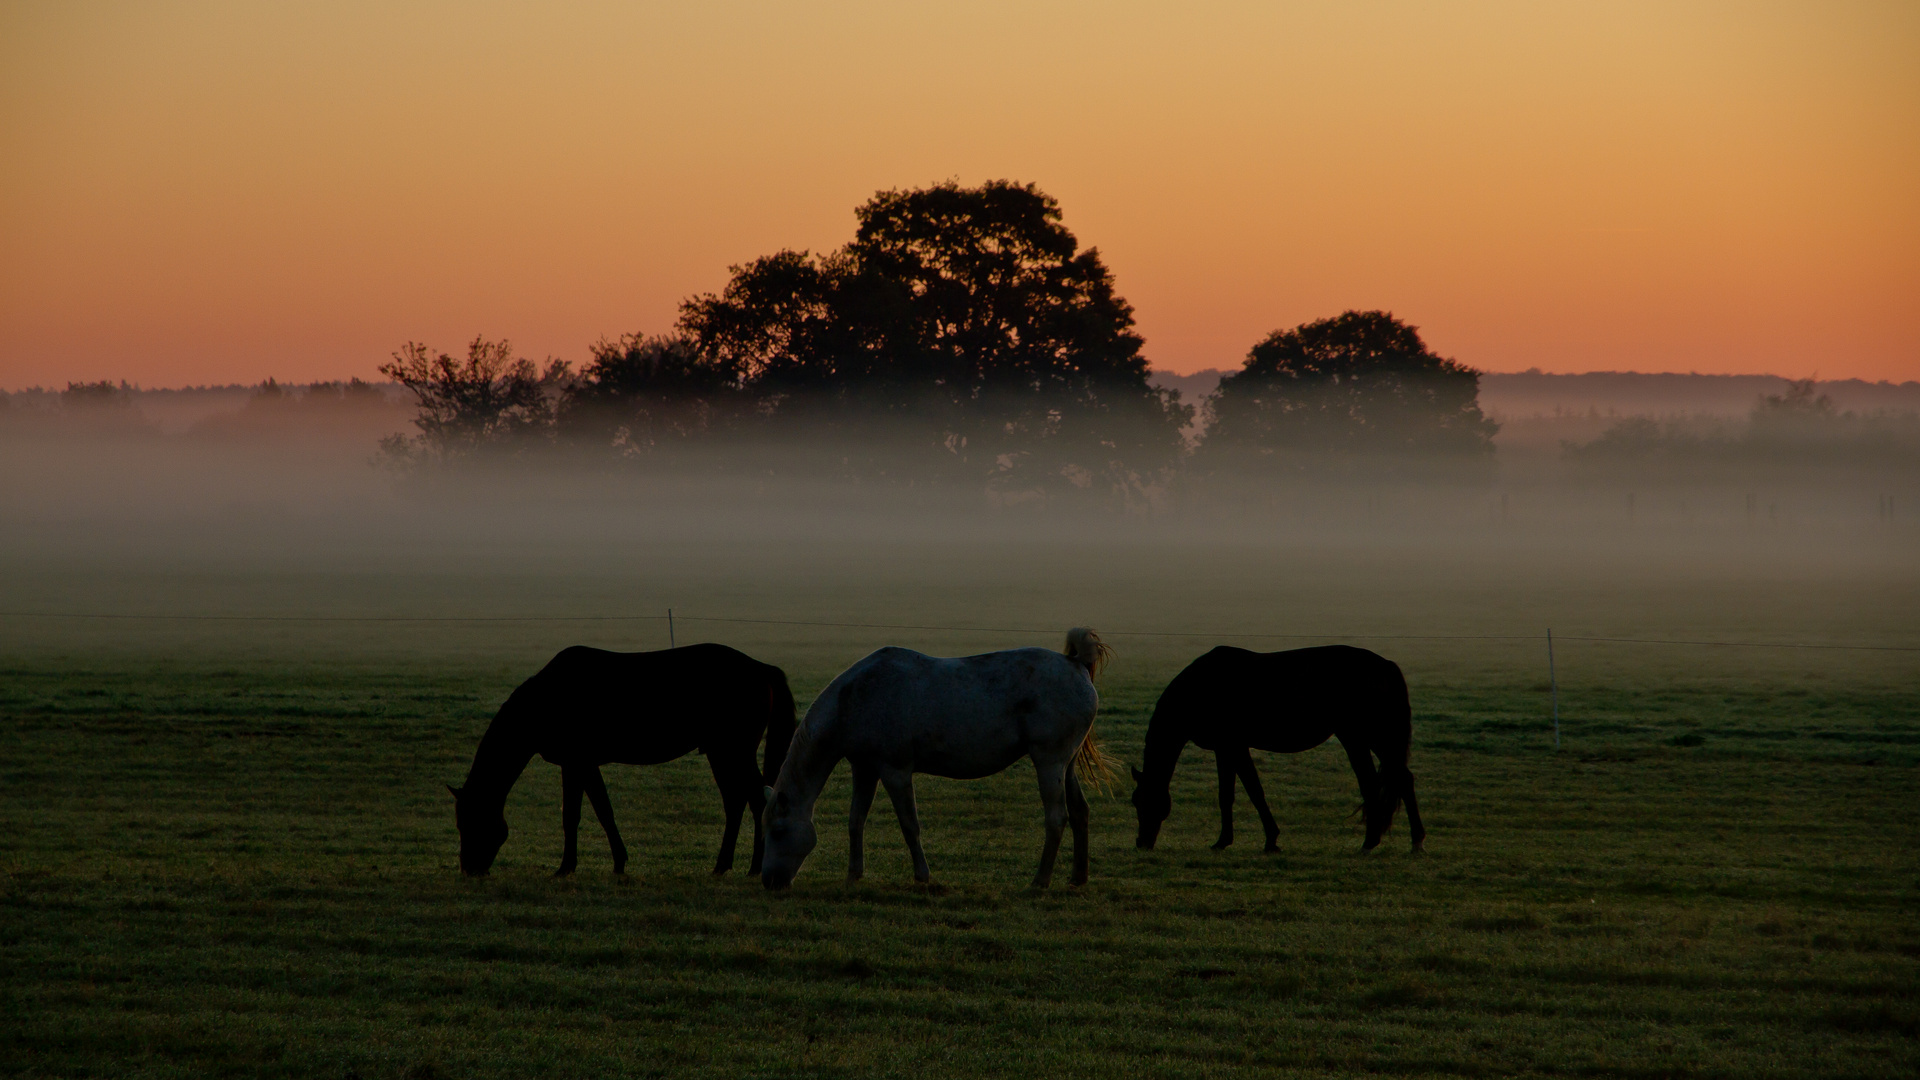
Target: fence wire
{"points": [[1540, 637]]}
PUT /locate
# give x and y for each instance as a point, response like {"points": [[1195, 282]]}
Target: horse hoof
{"points": [[1272, 849], [1223, 845]]}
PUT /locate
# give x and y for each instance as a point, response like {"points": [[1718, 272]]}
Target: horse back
{"points": [[593, 706], [962, 716], [1286, 701]]}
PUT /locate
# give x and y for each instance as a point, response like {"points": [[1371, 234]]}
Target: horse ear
{"points": [[1138, 776]]}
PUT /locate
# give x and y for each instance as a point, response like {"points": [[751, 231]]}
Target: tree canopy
{"points": [[1360, 382], [489, 400], [968, 317], [639, 393]]}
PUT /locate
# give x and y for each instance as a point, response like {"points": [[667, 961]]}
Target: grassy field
{"points": [[225, 848]]}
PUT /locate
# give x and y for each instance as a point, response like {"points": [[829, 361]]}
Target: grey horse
{"points": [[898, 712]]}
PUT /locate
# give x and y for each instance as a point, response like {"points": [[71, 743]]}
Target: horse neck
{"points": [[810, 760], [503, 755], [1165, 740]]}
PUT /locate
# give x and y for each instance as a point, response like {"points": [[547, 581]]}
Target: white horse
{"points": [[898, 712]]}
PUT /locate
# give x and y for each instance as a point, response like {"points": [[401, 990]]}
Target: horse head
{"points": [[1153, 804], [482, 831], [790, 838]]}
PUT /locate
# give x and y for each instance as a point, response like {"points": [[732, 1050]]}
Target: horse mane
{"points": [[1085, 648]]}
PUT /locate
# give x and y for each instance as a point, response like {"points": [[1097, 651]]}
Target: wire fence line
{"points": [[1539, 637]]}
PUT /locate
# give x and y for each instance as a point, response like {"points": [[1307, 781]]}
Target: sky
{"points": [[202, 193]]}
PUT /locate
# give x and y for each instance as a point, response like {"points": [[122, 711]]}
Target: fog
{"points": [[234, 502]]}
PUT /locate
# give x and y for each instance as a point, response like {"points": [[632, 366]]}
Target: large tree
{"points": [[640, 394], [964, 319], [1359, 383]]}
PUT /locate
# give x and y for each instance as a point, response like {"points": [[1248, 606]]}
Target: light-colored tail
{"points": [[1090, 762], [1085, 648], [1093, 766]]}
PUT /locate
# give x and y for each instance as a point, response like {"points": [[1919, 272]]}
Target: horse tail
{"points": [[1396, 779], [1093, 765], [1393, 743], [780, 719], [1085, 648]]}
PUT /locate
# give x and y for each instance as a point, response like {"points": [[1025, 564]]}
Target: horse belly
{"points": [[1291, 742], [968, 766], [957, 751], [617, 751]]}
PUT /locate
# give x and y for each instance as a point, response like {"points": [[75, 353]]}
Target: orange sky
{"points": [[199, 193]]}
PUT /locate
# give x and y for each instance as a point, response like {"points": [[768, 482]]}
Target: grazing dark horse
{"points": [[589, 707], [1232, 700]]}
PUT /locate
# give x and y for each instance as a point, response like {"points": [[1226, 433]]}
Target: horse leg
{"points": [[1257, 795], [1077, 818], [1418, 830], [899, 785], [757, 802], [733, 800], [1371, 793], [569, 819], [1053, 794], [603, 809], [863, 784], [1224, 759]]}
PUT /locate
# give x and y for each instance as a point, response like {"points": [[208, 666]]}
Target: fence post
{"points": [[1553, 683], [670, 642]]}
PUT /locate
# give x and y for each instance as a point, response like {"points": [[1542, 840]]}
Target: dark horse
{"points": [[1231, 700], [588, 707]]}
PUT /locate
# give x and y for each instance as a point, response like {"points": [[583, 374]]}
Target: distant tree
{"points": [[1802, 399], [489, 401], [104, 408], [1799, 414], [1360, 382], [966, 319], [641, 393], [355, 391], [97, 395], [1642, 440]]}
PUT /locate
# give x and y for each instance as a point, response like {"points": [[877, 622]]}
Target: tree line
{"points": [[963, 336]]}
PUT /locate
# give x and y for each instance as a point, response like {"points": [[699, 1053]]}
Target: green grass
{"points": [[225, 848], [229, 862]]}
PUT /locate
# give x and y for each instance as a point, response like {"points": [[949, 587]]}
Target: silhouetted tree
{"points": [[1800, 413], [639, 393], [97, 395], [1360, 382], [964, 319], [490, 400]]}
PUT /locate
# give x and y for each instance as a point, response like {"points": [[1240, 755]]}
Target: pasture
{"points": [[225, 848]]}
